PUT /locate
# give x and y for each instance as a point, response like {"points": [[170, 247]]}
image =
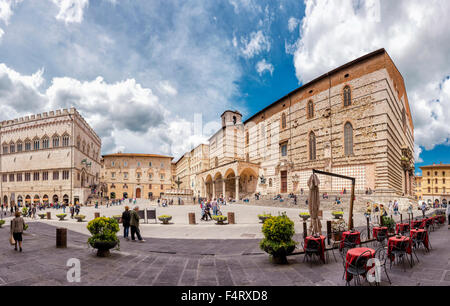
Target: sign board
{"points": [[151, 214], [141, 214]]}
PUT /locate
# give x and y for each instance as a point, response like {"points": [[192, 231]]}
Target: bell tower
{"points": [[231, 118]]}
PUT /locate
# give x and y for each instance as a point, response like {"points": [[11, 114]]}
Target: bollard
{"points": [[96, 215], [328, 231], [191, 218], [49, 215], [401, 218], [61, 237], [231, 218], [305, 230], [368, 228]]}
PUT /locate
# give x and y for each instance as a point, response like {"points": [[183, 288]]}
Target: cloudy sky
{"points": [[140, 71]]}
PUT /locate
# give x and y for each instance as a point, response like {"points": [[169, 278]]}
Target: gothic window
{"points": [[12, 147], [310, 110], [312, 146], [247, 138], [55, 141], [347, 96], [45, 143], [19, 146], [348, 139], [5, 149], [284, 149], [36, 144]]}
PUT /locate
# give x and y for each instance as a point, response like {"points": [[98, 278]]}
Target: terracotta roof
{"points": [[135, 155], [435, 166]]}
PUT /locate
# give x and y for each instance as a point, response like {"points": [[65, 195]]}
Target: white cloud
{"points": [[245, 5], [335, 32], [293, 24], [263, 66], [6, 9], [167, 88], [71, 10], [257, 43]]}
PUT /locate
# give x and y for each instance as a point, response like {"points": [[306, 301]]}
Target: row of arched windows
{"points": [[36, 144], [347, 94], [348, 142], [86, 148]]}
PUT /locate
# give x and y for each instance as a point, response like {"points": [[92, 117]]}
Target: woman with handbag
{"points": [[17, 227]]}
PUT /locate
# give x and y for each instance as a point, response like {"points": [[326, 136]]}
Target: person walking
{"points": [[368, 212], [72, 211], [126, 216], [134, 224], [17, 227]]}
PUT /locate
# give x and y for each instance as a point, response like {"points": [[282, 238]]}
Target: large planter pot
{"points": [[338, 216], [80, 218], [42, 216], [280, 257], [61, 217], [103, 247], [165, 220], [2, 222], [305, 217]]}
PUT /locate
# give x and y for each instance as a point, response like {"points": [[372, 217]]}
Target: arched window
{"points": [[347, 96], [45, 142], [283, 121], [348, 139], [27, 145], [247, 138], [36, 144], [12, 147], [19, 146], [310, 110], [312, 146], [65, 140], [55, 141]]}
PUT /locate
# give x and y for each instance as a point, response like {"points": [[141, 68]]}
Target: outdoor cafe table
{"points": [[415, 232], [415, 223], [401, 227], [321, 241], [378, 229], [393, 241], [352, 256], [356, 238]]}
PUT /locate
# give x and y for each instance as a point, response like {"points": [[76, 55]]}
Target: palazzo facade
{"points": [[48, 158], [354, 120]]}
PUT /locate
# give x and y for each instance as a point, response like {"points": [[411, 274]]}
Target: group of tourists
{"points": [[130, 219], [208, 206]]}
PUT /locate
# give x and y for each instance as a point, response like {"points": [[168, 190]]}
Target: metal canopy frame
{"points": [[352, 196]]}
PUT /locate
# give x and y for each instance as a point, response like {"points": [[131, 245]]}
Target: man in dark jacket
{"points": [[134, 223], [126, 216]]}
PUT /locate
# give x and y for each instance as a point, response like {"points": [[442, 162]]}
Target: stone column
{"points": [[213, 189], [224, 183], [237, 188], [407, 184]]}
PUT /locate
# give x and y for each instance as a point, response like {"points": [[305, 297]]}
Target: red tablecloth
{"points": [[321, 241], [393, 241], [441, 219], [377, 229], [351, 257], [357, 238], [401, 227], [415, 223], [414, 233]]}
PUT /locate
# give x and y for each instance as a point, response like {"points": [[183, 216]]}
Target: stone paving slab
{"points": [[41, 263]]}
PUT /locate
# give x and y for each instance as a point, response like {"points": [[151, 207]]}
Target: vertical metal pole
{"points": [[352, 198], [305, 230], [329, 231], [368, 228]]}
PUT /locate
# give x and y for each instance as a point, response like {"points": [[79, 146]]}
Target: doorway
{"points": [[283, 181], [138, 193]]}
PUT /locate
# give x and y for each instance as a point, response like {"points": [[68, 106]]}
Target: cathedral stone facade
{"points": [[354, 121], [48, 158]]}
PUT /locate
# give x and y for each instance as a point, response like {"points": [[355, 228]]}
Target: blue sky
{"points": [[140, 70]]}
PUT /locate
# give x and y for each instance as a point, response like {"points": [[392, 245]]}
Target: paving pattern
{"points": [[197, 262]]}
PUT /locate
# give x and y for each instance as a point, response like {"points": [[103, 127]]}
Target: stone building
{"points": [[434, 184], [49, 157], [354, 120], [136, 175]]}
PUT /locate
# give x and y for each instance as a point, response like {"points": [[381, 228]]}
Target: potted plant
{"points": [[165, 219], [337, 228], [42, 216], [278, 232], [61, 216], [104, 236], [25, 211], [264, 217], [305, 216], [389, 223], [2, 222], [220, 219], [80, 218], [337, 214]]}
